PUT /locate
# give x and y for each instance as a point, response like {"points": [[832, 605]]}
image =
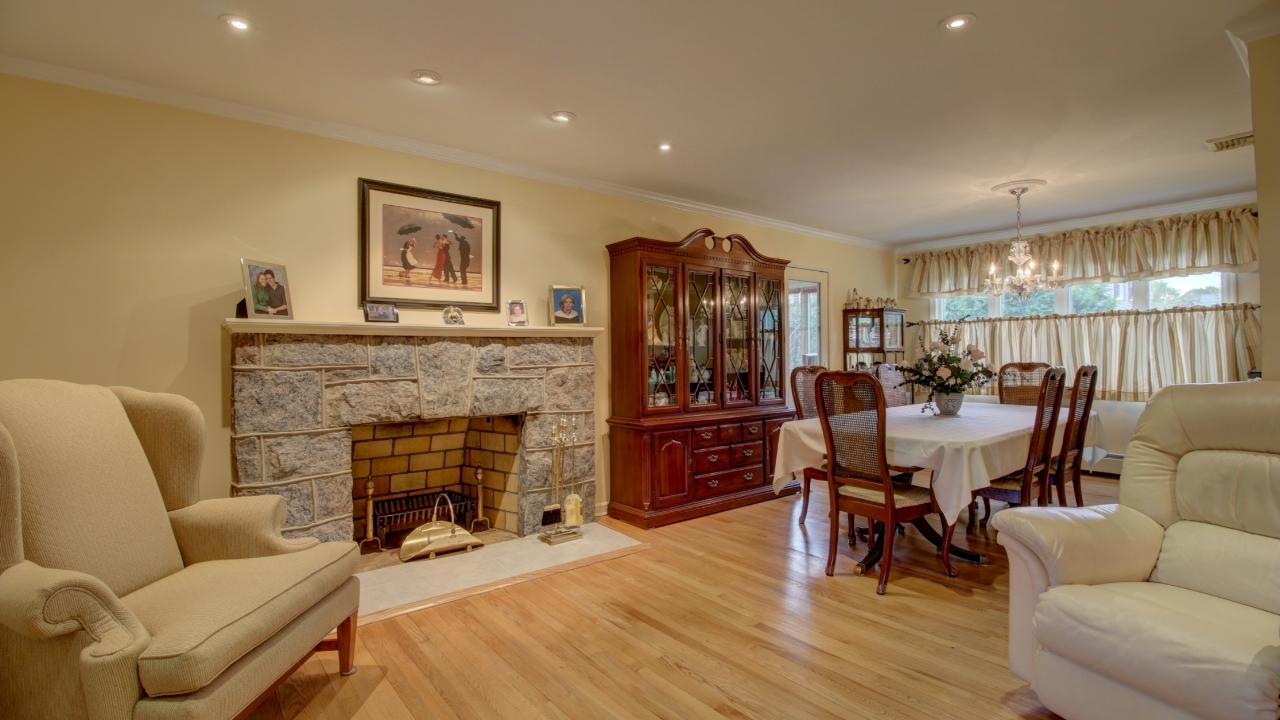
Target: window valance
{"points": [[1190, 244], [1137, 352]]}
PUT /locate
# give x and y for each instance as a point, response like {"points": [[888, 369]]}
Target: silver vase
{"points": [[948, 403]]}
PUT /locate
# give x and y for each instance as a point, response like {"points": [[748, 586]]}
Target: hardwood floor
{"points": [[728, 616]]}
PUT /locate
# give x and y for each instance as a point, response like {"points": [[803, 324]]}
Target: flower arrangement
{"points": [[943, 369]]}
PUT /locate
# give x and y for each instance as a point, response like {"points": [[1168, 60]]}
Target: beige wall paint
{"points": [[122, 224], [1264, 74]]}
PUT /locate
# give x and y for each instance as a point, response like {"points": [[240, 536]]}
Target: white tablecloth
{"points": [[964, 451]]}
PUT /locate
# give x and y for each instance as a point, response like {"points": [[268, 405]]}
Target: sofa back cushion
{"points": [[1231, 564], [1238, 490], [90, 502]]}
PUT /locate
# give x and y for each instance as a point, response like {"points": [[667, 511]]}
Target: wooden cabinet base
{"points": [[657, 518]]}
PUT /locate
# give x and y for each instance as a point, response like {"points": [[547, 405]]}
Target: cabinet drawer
{"points": [[728, 481], [752, 431], [705, 436], [714, 458], [747, 453], [730, 433]]}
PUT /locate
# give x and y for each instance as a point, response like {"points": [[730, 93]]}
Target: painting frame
{"points": [[555, 296], [250, 268], [375, 197], [523, 319]]}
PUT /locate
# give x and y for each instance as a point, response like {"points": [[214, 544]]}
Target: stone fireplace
{"points": [[427, 398]]}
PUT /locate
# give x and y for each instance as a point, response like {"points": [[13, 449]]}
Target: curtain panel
{"points": [[1164, 247], [1137, 352]]}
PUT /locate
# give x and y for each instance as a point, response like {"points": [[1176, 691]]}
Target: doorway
{"points": [[806, 310]]}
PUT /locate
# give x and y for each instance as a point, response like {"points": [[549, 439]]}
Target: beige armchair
{"points": [[1166, 605], [122, 594]]}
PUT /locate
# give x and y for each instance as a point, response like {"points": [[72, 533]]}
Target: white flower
{"points": [[944, 372], [966, 364], [970, 347], [977, 354], [936, 345]]}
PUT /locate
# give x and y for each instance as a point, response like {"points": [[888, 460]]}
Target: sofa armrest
{"points": [[233, 528], [42, 603], [1086, 545]]}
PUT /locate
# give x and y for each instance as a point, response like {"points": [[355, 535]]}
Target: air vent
{"points": [[1230, 142]]}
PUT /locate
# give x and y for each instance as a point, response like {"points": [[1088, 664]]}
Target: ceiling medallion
{"points": [[1023, 283]]}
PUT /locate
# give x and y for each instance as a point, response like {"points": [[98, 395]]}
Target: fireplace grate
{"points": [[406, 513]]}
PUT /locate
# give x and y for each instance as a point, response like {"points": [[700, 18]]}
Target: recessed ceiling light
{"points": [[426, 77], [664, 146], [235, 21], [958, 22], [563, 116]]}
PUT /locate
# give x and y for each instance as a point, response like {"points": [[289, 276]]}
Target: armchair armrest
{"points": [[42, 604], [1086, 545], [232, 528]]}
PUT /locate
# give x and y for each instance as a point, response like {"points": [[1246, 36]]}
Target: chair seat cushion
{"points": [[1007, 483], [206, 616], [903, 495], [1213, 657]]}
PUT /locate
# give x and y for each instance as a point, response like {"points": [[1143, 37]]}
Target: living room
{"points": [[288, 280]]}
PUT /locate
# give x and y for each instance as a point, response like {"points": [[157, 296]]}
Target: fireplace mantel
{"points": [[326, 327]]}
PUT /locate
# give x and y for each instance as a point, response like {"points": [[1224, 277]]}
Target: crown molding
{"points": [[1256, 27], [386, 141], [1115, 218]]}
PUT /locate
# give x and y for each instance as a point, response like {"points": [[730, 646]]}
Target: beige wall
{"points": [[1264, 74], [122, 225]]}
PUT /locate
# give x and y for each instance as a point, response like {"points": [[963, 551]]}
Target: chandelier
{"points": [[1024, 282]]}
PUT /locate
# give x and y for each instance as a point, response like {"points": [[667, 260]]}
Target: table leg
{"points": [[922, 524], [874, 554]]}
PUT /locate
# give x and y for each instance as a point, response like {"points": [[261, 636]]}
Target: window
{"points": [[1101, 297], [1040, 303], [972, 306], [804, 323], [1186, 291]]}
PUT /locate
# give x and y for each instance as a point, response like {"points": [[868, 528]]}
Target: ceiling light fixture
{"points": [[426, 77], [563, 116], [958, 22], [664, 146], [235, 21], [1023, 283]]}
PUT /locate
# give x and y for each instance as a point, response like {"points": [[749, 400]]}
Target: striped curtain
{"points": [[1224, 240], [1137, 352]]}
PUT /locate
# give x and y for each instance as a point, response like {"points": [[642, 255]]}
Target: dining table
{"points": [[958, 453]]}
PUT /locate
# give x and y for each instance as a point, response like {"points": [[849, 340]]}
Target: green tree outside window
{"points": [[1040, 303]]}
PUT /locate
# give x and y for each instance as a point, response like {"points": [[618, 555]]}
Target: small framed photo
{"points": [[568, 305], [517, 313], [374, 312], [266, 290]]}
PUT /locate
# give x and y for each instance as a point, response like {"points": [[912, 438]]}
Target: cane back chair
{"points": [[1067, 466], [896, 392], [1019, 382]]}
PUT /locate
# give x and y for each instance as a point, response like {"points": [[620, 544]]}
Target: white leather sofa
{"points": [[1166, 605]]}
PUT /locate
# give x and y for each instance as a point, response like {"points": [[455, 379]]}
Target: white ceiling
{"points": [[858, 117]]}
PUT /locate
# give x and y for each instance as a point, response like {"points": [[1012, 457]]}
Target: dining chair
{"points": [[802, 392], [894, 383], [1018, 487], [1020, 382], [1066, 467], [851, 407]]}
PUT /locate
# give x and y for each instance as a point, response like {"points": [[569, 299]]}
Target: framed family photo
{"points": [[374, 312], [517, 313], [427, 249], [266, 290], [568, 305]]}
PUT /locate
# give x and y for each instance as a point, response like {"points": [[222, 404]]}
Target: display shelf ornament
{"points": [[1024, 282], [947, 372], [854, 302]]}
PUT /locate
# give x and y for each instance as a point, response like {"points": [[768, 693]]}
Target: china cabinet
{"points": [[873, 335], [697, 376]]}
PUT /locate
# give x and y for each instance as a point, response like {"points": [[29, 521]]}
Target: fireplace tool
{"points": [[573, 503], [438, 536], [369, 539], [480, 517], [555, 532]]}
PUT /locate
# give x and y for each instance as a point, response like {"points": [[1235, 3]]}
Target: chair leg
{"points": [[947, 533], [986, 504], [887, 559], [1060, 481], [853, 530], [347, 645], [1075, 480], [973, 517], [835, 539], [804, 498]]}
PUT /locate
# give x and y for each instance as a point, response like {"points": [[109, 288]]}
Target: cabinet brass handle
{"points": [[713, 458], [712, 483], [747, 453], [753, 430], [706, 436], [748, 476]]}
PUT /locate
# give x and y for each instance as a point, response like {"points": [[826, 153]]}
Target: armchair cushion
{"points": [[206, 616], [1217, 659], [1233, 565], [1088, 545], [231, 528]]}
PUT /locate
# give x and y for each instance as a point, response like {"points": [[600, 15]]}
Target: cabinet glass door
{"points": [[894, 330], [660, 337], [700, 293], [737, 340], [769, 335]]}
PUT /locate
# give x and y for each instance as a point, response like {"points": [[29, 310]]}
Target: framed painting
{"points": [[427, 249], [266, 290]]}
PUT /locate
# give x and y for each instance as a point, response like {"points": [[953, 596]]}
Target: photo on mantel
{"points": [[266, 290], [568, 305], [427, 249]]}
